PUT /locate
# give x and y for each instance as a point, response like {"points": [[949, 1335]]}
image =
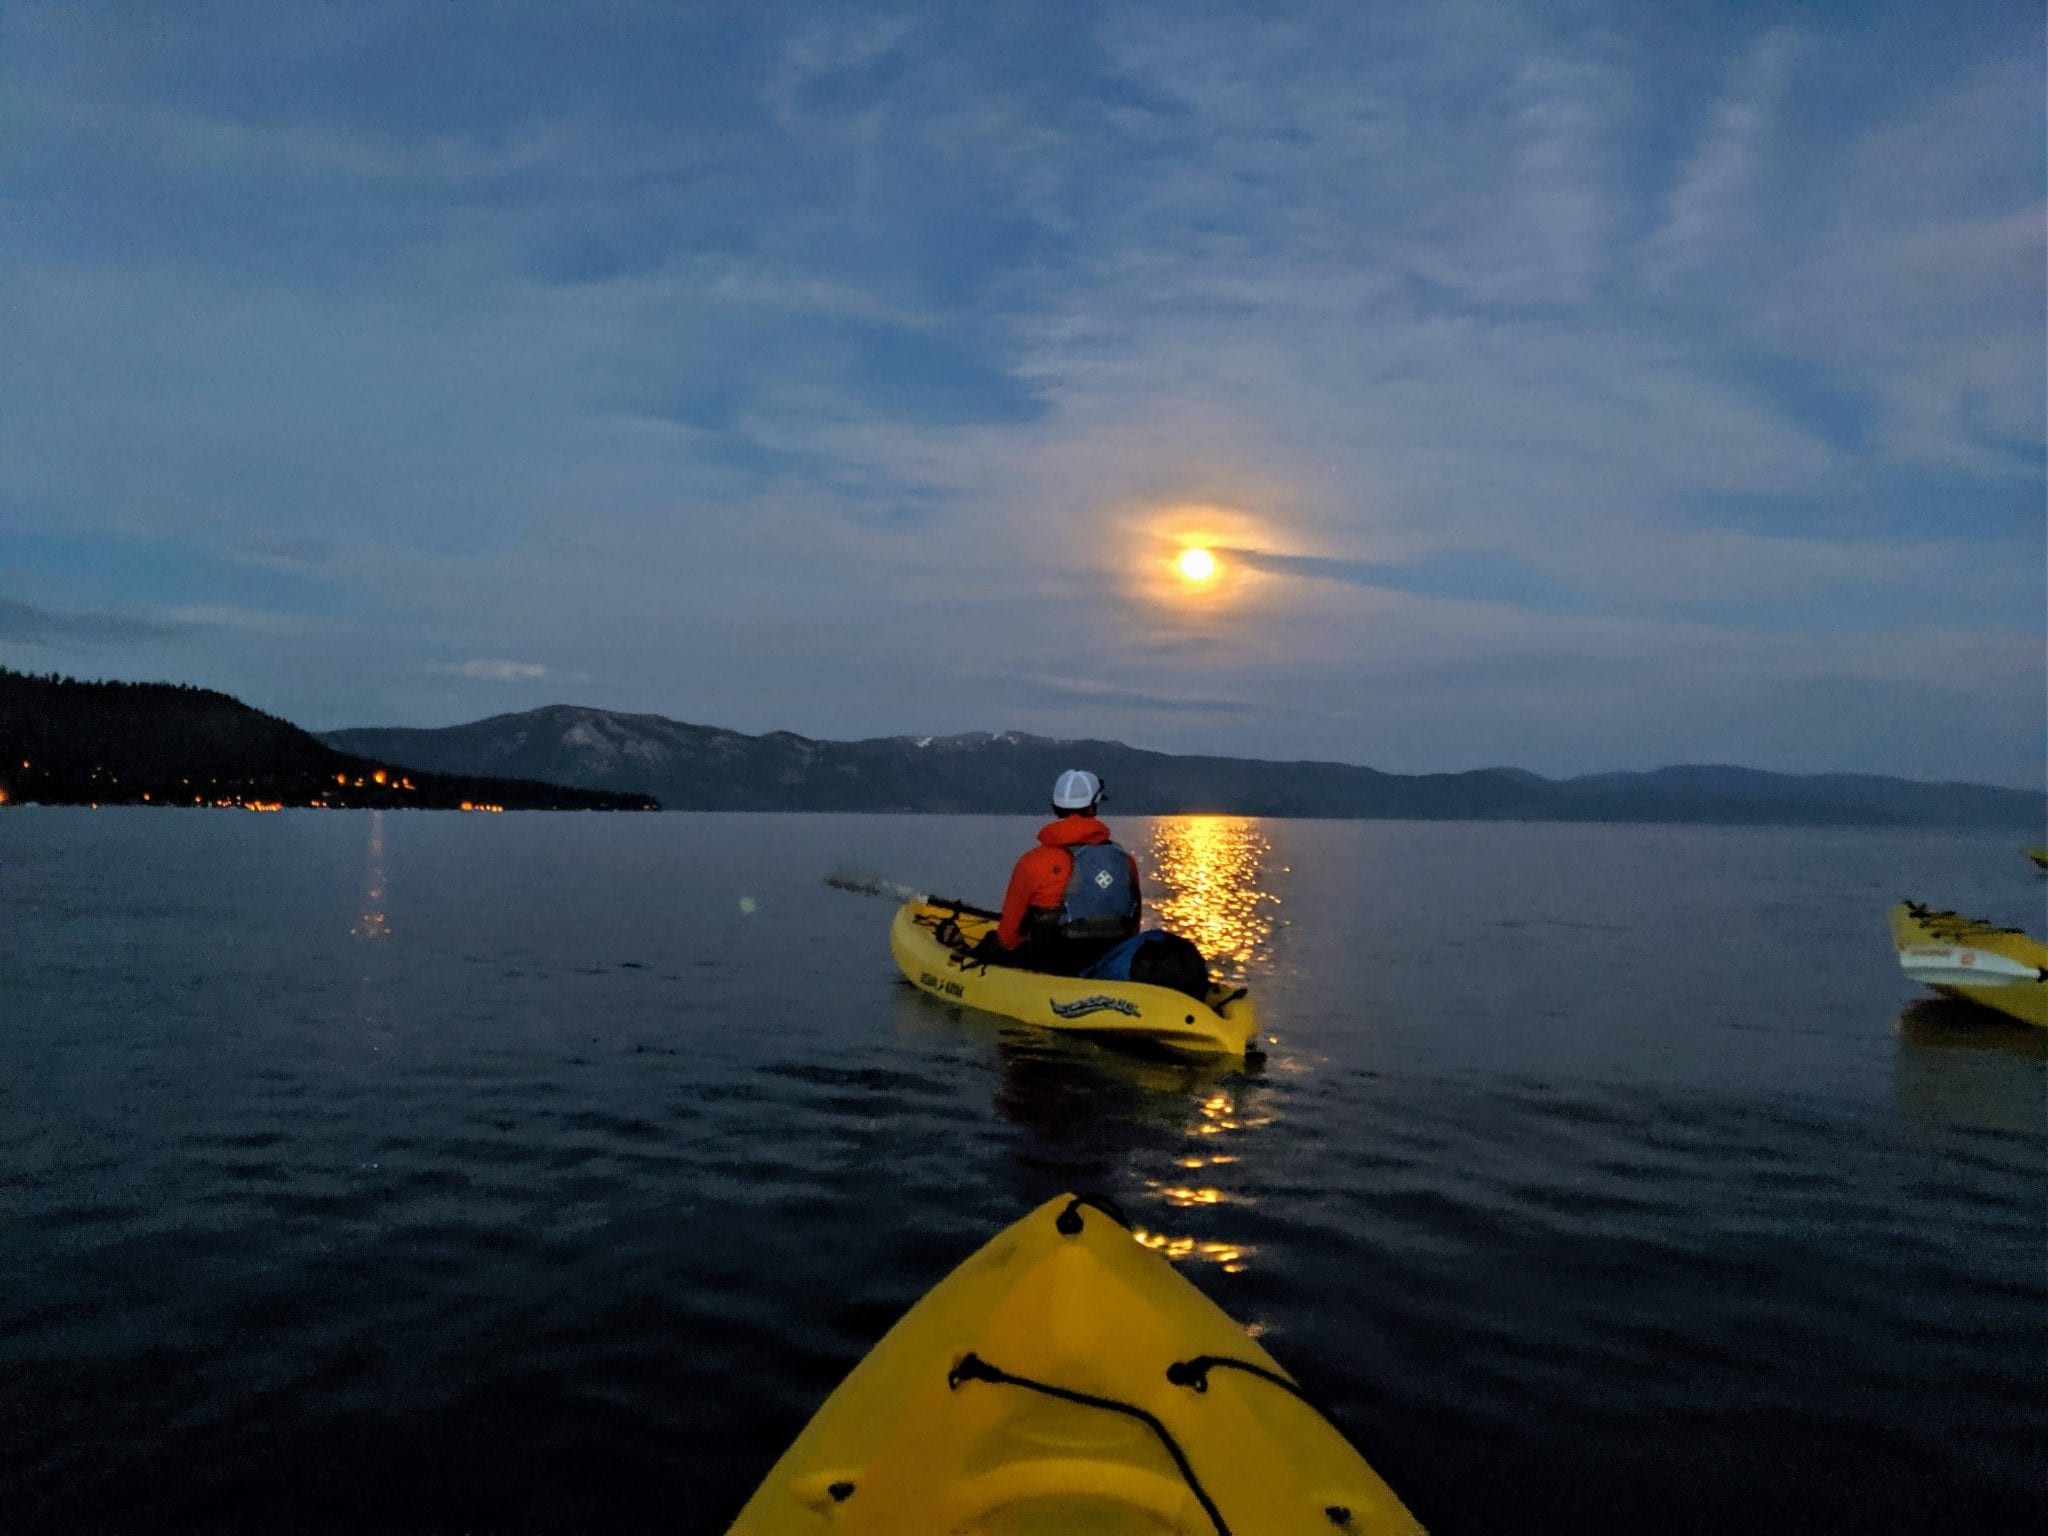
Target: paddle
{"points": [[871, 885]]}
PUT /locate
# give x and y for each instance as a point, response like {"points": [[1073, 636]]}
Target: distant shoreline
{"points": [[67, 742], [2017, 833], [163, 745]]}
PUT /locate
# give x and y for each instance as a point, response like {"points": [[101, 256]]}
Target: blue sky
{"points": [[1571, 386]]}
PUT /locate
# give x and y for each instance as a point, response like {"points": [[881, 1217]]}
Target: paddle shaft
{"points": [[870, 885]]}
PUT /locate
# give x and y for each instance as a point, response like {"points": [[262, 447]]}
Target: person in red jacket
{"points": [[1075, 896]]}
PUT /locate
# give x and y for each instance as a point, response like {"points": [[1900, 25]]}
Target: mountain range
{"points": [[701, 767]]}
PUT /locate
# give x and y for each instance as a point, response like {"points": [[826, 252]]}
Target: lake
{"points": [[429, 1172]]}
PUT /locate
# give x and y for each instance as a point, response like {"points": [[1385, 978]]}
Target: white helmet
{"points": [[1076, 790]]}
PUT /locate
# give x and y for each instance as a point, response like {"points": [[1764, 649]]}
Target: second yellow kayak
{"points": [[930, 942], [1999, 967], [1066, 1379]]}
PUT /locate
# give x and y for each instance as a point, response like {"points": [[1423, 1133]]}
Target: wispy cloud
{"points": [[492, 670], [1091, 694], [1710, 208], [26, 624], [1460, 575], [296, 556], [835, 51], [228, 617]]}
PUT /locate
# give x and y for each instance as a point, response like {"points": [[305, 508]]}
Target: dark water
{"points": [[433, 1173]]}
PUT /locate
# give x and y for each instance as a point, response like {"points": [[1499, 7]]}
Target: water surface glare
{"points": [[411, 1172]]}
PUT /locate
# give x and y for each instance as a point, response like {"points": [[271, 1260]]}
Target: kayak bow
{"points": [[1963, 957], [1065, 1379]]}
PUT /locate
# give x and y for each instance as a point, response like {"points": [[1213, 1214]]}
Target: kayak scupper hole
{"points": [[1337, 1514], [840, 1492], [1191, 1018]]}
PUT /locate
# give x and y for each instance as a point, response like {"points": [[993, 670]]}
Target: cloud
{"points": [[1464, 575], [295, 556], [819, 56], [1892, 260], [26, 624], [227, 617], [1937, 317], [1710, 205], [492, 671], [1094, 694]]}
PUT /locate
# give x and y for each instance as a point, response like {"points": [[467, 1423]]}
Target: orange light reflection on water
{"points": [[1210, 867], [373, 924], [1219, 1113], [1230, 1255]]}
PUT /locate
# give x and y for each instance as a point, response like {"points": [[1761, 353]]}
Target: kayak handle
{"points": [[1069, 1221]]}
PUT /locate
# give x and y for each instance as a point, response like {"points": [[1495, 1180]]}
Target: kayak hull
{"points": [[1015, 1398], [1128, 1011], [1948, 953]]}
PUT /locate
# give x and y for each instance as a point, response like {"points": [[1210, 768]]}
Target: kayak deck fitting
{"points": [[931, 940], [1963, 957], [1066, 1379]]}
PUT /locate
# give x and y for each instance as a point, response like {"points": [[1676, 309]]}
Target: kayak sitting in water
{"points": [[1075, 896]]}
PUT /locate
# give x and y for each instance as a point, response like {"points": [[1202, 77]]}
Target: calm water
{"points": [[424, 1173]]}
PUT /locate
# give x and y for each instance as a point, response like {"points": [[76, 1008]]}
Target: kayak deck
{"points": [[1130, 1011], [1965, 957], [1066, 1379]]}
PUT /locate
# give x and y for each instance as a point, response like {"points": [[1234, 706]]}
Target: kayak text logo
{"points": [[949, 988], [1093, 1004]]}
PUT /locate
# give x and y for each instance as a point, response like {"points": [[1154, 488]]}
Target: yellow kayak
{"points": [[1130, 1011], [1999, 967], [1065, 1379], [2039, 856]]}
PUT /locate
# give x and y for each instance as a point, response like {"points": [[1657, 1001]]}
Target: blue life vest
{"points": [[1101, 900]]}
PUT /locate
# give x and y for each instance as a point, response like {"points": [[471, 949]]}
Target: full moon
{"points": [[1197, 565]]}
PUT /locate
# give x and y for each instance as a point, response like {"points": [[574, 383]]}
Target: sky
{"points": [[1569, 386]]}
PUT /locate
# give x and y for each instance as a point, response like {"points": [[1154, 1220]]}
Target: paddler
{"points": [[1075, 896]]}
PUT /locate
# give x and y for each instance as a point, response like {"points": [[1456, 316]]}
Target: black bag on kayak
{"points": [[1168, 960], [1159, 959]]}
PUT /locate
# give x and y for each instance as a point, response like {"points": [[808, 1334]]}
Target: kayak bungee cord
{"points": [[1948, 924], [1195, 1373], [1192, 1373], [973, 1368]]}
